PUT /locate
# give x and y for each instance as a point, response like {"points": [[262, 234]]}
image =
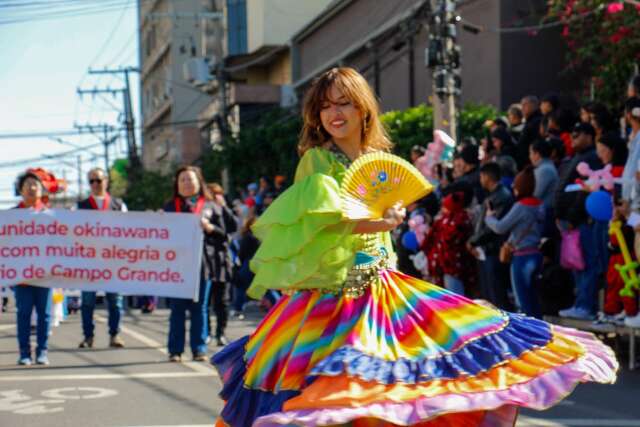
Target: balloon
{"points": [[425, 165], [599, 205], [628, 269], [598, 178], [410, 241], [417, 225], [441, 137]]}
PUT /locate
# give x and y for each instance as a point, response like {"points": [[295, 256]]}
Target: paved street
{"points": [[136, 386]]}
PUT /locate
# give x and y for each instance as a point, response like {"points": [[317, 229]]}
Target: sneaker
{"points": [[618, 319], [200, 357], [42, 359], [24, 361], [222, 341], [175, 358], [116, 342], [576, 313], [86, 343], [241, 316], [633, 322], [607, 319]]}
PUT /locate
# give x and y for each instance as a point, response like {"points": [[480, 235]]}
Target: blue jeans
{"points": [[453, 284], [114, 305], [241, 282], [593, 239], [198, 331], [28, 297], [523, 267], [494, 282]]}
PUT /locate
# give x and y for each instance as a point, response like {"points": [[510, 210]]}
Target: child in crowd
{"points": [[449, 261]]}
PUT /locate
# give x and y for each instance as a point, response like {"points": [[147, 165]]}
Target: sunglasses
{"points": [[95, 181]]}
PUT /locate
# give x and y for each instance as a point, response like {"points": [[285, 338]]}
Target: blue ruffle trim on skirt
{"points": [[520, 335], [244, 405]]}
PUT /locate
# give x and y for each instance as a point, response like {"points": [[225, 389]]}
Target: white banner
{"points": [[134, 253]]}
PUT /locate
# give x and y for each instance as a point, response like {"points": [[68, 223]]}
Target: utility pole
{"points": [[105, 138], [132, 146], [79, 160], [443, 58]]}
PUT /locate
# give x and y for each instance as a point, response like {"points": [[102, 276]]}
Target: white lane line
{"points": [[149, 342], [178, 425], [575, 422], [146, 375], [7, 327]]}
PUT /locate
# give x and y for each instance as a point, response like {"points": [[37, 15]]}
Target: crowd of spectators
{"points": [[510, 206]]}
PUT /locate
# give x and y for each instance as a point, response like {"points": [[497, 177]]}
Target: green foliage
{"points": [[265, 148], [149, 190], [473, 117], [414, 126], [603, 44], [118, 177], [406, 128]]}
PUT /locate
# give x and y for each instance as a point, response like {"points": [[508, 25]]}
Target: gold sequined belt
{"points": [[361, 276]]}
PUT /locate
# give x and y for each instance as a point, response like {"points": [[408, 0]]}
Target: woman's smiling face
{"points": [[339, 117]]}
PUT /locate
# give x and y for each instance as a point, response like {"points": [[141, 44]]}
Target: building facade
{"points": [[255, 73], [170, 36], [386, 41]]}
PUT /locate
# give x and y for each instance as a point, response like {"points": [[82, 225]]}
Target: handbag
{"points": [[506, 252], [507, 249], [571, 257]]}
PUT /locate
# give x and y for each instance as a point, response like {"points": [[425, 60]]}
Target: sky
{"points": [[42, 63]]}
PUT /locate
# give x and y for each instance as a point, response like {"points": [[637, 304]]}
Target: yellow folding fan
{"points": [[376, 181]]}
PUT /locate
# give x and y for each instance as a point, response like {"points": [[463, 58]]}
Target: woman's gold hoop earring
{"points": [[319, 130]]}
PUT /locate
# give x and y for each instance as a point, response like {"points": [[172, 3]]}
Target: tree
{"points": [[603, 43]]}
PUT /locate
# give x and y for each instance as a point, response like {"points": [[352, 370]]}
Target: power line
{"points": [[527, 29], [110, 36], [124, 48], [79, 11], [19, 162]]}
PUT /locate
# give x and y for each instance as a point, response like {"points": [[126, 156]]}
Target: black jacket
{"points": [[469, 185], [501, 201], [216, 260], [530, 133], [570, 205]]}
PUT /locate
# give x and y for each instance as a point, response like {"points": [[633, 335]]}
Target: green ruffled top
{"points": [[306, 243]]}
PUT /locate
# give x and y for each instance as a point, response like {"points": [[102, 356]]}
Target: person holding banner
{"points": [[191, 196], [101, 200], [224, 224], [30, 187]]}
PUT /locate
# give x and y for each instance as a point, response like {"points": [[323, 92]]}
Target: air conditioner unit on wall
{"points": [[197, 71]]}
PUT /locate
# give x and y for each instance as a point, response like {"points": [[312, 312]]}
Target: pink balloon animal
{"points": [[418, 226], [597, 179], [434, 153]]}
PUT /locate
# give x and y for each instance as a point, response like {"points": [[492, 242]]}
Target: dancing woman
{"points": [[355, 342]]}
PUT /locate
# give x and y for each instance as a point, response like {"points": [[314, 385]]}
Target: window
{"points": [[237, 26]]}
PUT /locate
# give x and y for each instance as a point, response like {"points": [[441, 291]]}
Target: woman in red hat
{"points": [[30, 186]]}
